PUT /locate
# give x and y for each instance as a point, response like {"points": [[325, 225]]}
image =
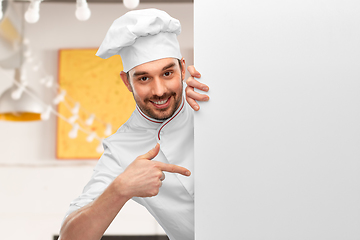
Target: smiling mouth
{"points": [[161, 103]]}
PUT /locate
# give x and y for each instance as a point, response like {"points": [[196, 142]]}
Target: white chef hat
{"points": [[142, 36]]}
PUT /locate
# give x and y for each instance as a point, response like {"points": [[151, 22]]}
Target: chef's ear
{"points": [[125, 78], [183, 68]]}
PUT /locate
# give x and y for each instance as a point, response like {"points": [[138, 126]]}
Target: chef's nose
{"points": [[159, 87]]}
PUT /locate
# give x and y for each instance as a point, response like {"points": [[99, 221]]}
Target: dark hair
{"points": [[180, 65]]}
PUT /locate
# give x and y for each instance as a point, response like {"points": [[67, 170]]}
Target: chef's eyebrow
{"points": [[139, 73], [170, 65]]}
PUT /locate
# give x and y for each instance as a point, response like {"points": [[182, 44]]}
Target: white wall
{"points": [[35, 188], [277, 146]]}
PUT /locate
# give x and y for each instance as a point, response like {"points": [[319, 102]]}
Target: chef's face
{"points": [[157, 86]]}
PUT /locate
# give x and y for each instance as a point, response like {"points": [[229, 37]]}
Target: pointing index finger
{"points": [[174, 169]]}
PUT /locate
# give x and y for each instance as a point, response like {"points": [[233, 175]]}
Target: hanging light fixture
{"points": [[32, 14], [131, 4], [82, 12], [17, 105], [19, 102]]}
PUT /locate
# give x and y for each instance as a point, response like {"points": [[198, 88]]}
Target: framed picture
{"points": [[93, 88]]}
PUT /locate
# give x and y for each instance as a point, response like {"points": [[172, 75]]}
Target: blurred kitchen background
{"points": [[36, 187]]}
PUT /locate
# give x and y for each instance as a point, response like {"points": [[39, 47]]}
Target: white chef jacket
{"points": [[173, 207]]}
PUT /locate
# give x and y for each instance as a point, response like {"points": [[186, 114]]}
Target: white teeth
{"points": [[161, 102]]}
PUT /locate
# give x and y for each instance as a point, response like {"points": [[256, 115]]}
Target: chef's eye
{"points": [[144, 79], [166, 74]]}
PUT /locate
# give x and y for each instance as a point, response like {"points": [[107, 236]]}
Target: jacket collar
{"points": [[146, 122]]}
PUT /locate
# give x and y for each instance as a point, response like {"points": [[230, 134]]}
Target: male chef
{"points": [[161, 127]]}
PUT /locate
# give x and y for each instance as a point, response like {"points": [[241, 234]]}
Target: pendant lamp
{"points": [[19, 108]]}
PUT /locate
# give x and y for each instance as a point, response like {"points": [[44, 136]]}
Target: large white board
{"points": [[278, 144]]}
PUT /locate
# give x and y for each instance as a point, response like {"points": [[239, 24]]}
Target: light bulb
{"points": [[74, 131], [108, 130], [90, 120], [46, 114], [131, 4], [49, 81], [82, 12], [73, 118], [91, 137], [100, 148], [32, 14], [60, 97], [23, 78], [75, 109]]}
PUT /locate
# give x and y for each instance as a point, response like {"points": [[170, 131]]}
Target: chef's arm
{"points": [[142, 178], [192, 97], [91, 221]]}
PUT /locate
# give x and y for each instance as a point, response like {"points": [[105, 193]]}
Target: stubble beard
{"points": [[160, 114]]}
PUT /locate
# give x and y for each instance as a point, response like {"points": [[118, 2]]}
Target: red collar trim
{"points": [[147, 118], [182, 106]]}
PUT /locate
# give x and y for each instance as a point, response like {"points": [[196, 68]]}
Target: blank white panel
{"points": [[277, 147]]}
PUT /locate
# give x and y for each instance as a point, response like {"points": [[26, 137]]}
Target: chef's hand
{"points": [[143, 177], [191, 96]]}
